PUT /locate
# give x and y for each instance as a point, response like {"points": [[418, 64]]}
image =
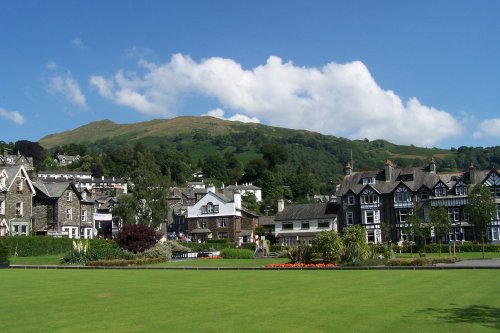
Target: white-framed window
{"points": [[350, 200], [72, 231], [288, 241], [368, 180], [454, 214], [349, 218], [2, 207], [69, 214], [440, 191], [457, 234], [374, 236], [403, 195], [371, 216], [210, 208], [69, 196], [403, 215], [223, 222], [304, 225], [19, 228], [287, 226], [84, 215], [493, 233], [461, 190], [222, 235], [87, 233], [369, 199], [19, 209], [498, 212], [202, 223], [19, 186]]}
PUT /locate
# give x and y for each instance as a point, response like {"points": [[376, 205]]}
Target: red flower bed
{"points": [[300, 265]]}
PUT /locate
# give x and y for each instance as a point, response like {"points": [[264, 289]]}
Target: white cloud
{"points": [[79, 43], [219, 113], [68, 87], [12, 116], [52, 65], [340, 99], [488, 128]]}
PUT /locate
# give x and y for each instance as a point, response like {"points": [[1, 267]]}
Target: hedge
{"points": [[198, 247], [4, 254], [434, 248], [236, 254], [31, 246]]}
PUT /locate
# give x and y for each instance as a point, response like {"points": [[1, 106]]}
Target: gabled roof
{"points": [[12, 173], [52, 189], [308, 211]]}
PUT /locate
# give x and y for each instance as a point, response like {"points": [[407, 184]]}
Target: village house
{"points": [[301, 223], [64, 160], [60, 209], [16, 195], [382, 200], [215, 216], [7, 159]]}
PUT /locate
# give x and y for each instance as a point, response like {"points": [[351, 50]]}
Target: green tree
{"points": [[274, 154], [330, 245], [482, 209], [440, 223], [250, 202], [355, 246]]}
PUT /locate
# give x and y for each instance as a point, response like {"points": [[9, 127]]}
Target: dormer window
{"points": [[19, 186], [440, 192], [368, 196], [368, 180], [402, 194], [210, 208], [461, 190]]}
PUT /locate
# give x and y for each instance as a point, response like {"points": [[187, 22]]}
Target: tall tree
{"points": [[440, 223], [482, 209]]}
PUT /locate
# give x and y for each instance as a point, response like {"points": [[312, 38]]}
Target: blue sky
{"points": [[412, 72]]}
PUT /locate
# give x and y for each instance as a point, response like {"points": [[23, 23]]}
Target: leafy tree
{"points": [[482, 209], [329, 244], [137, 238], [30, 149], [355, 246], [416, 228], [250, 202], [440, 223], [254, 170], [274, 154]]}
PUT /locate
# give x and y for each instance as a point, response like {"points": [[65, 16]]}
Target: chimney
{"points": [[348, 169], [432, 166], [237, 200], [281, 205], [472, 174], [211, 188], [389, 166]]}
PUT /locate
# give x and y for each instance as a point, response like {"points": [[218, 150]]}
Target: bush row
{"points": [[198, 247], [40, 245], [4, 254], [434, 248], [124, 262]]}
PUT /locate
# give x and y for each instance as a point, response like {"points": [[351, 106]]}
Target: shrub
{"points": [[158, 251], [4, 254], [177, 247], [329, 245], [236, 254], [124, 262], [137, 238], [81, 254], [410, 262], [198, 247], [445, 260], [355, 246], [301, 253], [94, 254], [367, 262], [218, 241]]}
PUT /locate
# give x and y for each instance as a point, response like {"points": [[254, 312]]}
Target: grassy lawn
{"points": [[224, 262], [462, 255], [249, 301], [53, 259]]}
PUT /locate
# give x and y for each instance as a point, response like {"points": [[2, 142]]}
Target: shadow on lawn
{"points": [[483, 315]]}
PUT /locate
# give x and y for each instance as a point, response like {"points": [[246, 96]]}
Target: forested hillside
{"points": [[285, 162]]}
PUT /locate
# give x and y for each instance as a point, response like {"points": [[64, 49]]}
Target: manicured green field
{"points": [[462, 255], [46, 300]]}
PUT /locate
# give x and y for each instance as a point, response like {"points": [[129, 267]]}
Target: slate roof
{"points": [[308, 211], [52, 189]]}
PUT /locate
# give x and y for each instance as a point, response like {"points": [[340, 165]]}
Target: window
{"points": [[440, 191], [461, 190], [403, 214], [20, 229], [402, 196], [350, 200], [202, 223], [69, 214], [323, 224], [287, 226], [223, 222], [69, 196], [304, 225], [210, 208], [19, 186], [71, 231], [87, 233], [454, 214], [222, 235], [369, 199], [372, 216], [84, 215], [493, 233], [19, 209], [368, 180], [2, 207], [349, 217], [425, 194]]}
